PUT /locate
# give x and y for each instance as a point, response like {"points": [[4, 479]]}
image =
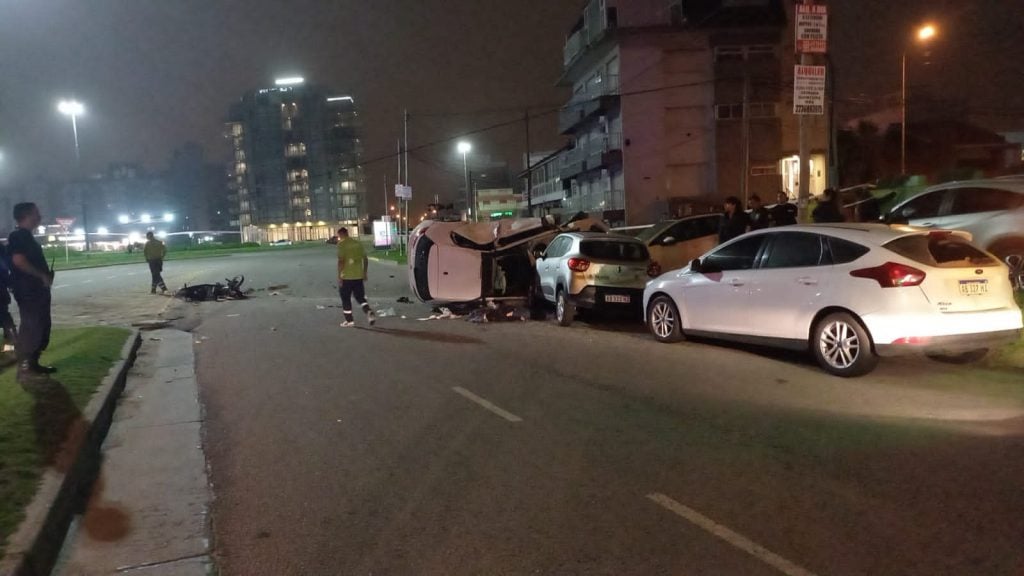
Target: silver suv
{"points": [[592, 270], [991, 210]]}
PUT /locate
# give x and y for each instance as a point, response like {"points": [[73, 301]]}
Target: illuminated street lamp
{"points": [[465, 148], [102, 231], [145, 218], [74, 109], [168, 217], [124, 219], [924, 34]]}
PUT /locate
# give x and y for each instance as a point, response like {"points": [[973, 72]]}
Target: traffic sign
{"points": [[809, 90], [65, 224], [811, 28], [403, 192]]}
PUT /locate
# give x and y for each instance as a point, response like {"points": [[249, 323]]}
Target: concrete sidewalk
{"points": [[148, 512]]}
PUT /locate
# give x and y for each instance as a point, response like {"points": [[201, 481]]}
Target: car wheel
{"points": [[664, 321], [842, 346], [565, 310], [962, 358]]}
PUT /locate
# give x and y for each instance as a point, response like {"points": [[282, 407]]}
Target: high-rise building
{"points": [[295, 172]]}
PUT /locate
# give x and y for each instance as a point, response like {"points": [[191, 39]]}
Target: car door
{"points": [[715, 300], [787, 287], [689, 238], [457, 272], [971, 207], [924, 210], [547, 265]]}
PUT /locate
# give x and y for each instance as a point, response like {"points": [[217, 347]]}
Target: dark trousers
{"points": [[155, 269], [6, 320], [34, 335], [348, 290]]}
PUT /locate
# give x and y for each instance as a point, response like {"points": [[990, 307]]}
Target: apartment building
{"points": [[675, 105], [295, 171]]}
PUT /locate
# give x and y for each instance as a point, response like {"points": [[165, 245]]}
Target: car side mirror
{"points": [[669, 241], [696, 266]]}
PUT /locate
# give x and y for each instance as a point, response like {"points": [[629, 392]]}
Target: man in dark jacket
{"points": [[784, 212], [32, 279], [829, 209], [734, 221], [759, 216], [6, 320]]}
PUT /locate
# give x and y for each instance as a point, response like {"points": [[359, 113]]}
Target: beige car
{"points": [[673, 244]]}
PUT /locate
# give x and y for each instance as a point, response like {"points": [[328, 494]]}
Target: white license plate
{"points": [[616, 299], [973, 287]]}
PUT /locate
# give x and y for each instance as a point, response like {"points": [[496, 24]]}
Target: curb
{"points": [[33, 548]]}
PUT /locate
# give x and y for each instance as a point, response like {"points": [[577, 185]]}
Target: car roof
{"points": [[1011, 184], [863, 233], [602, 236]]}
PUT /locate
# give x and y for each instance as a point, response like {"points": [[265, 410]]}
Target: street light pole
{"points": [[74, 109], [464, 148], [924, 34]]}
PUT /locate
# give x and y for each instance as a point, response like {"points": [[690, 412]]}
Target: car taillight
{"points": [[579, 264], [891, 275], [654, 270]]}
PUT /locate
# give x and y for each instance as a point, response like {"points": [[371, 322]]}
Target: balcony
{"points": [[595, 154], [583, 105], [599, 17], [574, 162], [552, 191], [573, 48]]}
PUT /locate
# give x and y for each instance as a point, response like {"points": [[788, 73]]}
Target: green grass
{"points": [[33, 426], [1011, 356], [79, 260]]}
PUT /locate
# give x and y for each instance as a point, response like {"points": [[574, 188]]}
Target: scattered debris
{"points": [[404, 300], [275, 293], [233, 315], [273, 328], [440, 314], [319, 307], [155, 339], [217, 291], [277, 287], [499, 313], [386, 312], [403, 317]]}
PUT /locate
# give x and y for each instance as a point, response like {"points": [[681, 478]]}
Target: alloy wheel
{"points": [[840, 346], [663, 319]]}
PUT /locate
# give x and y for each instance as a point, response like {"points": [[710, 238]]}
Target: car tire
{"points": [[842, 346], [664, 320], [565, 309], [969, 357]]}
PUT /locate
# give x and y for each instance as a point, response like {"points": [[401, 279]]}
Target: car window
{"points": [[558, 248], [739, 255], [924, 206], [613, 250], [844, 251], [974, 200], [794, 250], [941, 250]]}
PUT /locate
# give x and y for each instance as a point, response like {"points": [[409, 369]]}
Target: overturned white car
{"points": [[455, 262]]}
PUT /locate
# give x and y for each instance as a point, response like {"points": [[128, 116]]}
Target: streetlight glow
{"points": [[71, 107], [464, 147], [926, 32], [168, 217], [145, 218], [102, 231], [124, 219], [289, 81]]}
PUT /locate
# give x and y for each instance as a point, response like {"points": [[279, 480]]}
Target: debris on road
{"points": [[440, 314], [385, 312], [499, 313], [217, 291], [277, 287], [404, 300]]}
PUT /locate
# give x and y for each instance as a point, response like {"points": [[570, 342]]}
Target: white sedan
{"points": [[848, 293]]}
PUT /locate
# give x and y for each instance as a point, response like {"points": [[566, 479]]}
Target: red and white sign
{"points": [[811, 28], [403, 192], [808, 89], [65, 224]]}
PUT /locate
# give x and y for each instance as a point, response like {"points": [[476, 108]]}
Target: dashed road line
{"points": [[733, 538], [486, 404]]}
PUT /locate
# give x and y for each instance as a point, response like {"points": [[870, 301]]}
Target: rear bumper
{"points": [[949, 344], [595, 297]]}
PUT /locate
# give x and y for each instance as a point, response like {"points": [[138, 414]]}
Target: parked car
{"points": [[457, 262], [594, 271], [991, 210], [847, 293], [281, 243], [674, 243]]}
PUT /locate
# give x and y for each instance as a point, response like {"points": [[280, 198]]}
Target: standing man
{"points": [[784, 212], [758, 214], [155, 252], [6, 320], [352, 265], [32, 280], [734, 221]]}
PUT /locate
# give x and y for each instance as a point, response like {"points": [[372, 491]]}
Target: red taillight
{"points": [[654, 270], [891, 275], [579, 264]]}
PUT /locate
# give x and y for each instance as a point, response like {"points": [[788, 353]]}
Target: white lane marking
{"points": [[112, 277], [486, 404], [87, 282], [59, 286], [737, 540]]}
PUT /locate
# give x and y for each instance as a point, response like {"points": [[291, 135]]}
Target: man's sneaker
{"points": [[372, 317], [348, 324], [152, 290]]}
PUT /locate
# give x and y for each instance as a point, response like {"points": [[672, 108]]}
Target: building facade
{"points": [[295, 172], [676, 105]]}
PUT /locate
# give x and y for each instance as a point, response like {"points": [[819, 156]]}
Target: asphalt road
{"points": [[444, 447]]}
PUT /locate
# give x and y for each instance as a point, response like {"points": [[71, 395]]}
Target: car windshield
{"points": [[614, 250], [941, 251], [648, 234]]}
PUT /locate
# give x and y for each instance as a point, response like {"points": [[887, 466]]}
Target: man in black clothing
{"points": [[734, 221], [784, 212], [6, 320], [31, 282], [758, 214]]}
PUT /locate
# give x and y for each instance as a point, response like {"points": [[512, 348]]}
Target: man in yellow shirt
{"points": [[155, 252], [352, 264]]}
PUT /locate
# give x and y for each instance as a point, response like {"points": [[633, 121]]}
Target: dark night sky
{"points": [[157, 73]]}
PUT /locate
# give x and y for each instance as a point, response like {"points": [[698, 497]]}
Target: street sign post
{"points": [[811, 28], [809, 90], [65, 226]]}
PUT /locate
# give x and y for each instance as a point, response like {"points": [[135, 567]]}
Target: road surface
{"points": [[444, 447]]}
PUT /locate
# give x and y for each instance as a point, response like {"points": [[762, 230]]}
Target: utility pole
{"points": [[745, 175], [529, 167], [804, 193]]}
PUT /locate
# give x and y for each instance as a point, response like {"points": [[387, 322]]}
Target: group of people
{"points": [[736, 221]]}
